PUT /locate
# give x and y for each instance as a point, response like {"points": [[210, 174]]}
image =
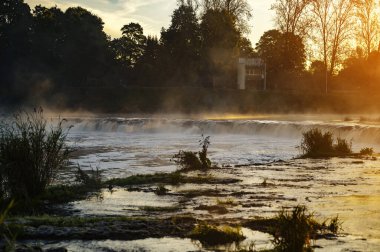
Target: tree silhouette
{"points": [[15, 31], [282, 52], [181, 44]]}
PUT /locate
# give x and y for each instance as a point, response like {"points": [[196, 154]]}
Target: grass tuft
{"points": [[294, 229]]}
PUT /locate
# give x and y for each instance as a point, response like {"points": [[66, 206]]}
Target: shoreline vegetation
{"points": [[30, 215]]}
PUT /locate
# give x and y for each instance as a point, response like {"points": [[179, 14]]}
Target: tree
{"points": [[48, 38], [245, 48], [15, 44], [181, 44], [85, 51], [367, 15], [284, 55], [361, 72], [240, 10], [291, 16], [15, 26], [148, 68], [220, 47], [333, 23], [130, 47], [282, 52]]}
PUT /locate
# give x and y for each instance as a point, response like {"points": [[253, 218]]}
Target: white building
{"points": [[251, 74]]}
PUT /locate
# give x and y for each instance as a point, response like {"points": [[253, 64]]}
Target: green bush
{"points": [[316, 144], [30, 154], [189, 160]]}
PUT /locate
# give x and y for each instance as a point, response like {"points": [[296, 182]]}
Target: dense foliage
{"points": [[47, 53]]}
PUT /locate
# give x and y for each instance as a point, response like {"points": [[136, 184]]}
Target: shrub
{"points": [[214, 235], [317, 144], [294, 229], [342, 147], [366, 152], [30, 154], [189, 160]]}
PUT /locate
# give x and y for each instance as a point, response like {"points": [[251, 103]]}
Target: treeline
{"points": [[318, 45], [47, 50]]}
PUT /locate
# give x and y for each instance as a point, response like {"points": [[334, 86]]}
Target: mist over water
{"points": [[355, 130], [123, 146]]}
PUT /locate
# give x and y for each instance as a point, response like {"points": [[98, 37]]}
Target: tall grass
{"points": [[31, 153], [294, 229]]}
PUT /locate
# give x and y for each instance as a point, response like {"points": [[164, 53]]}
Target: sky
{"points": [[153, 14]]}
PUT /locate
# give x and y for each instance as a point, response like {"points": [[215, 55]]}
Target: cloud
{"points": [[152, 14]]}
